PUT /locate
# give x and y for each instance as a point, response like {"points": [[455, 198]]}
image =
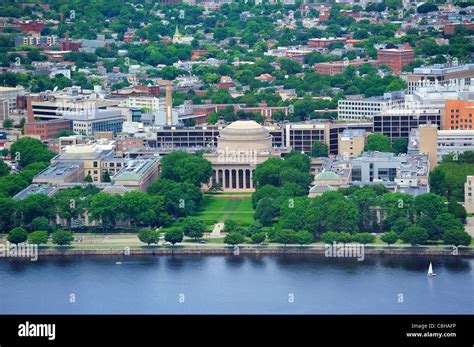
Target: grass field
{"points": [[220, 210]]}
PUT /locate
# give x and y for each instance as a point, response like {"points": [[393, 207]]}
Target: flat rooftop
{"points": [[61, 170], [135, 169], [35, 188]]}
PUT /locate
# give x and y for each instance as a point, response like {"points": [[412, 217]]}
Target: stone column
{"points": [[223, 179], [237, 178]]}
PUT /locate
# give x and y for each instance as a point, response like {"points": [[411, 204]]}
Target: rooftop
{"points": [[135, 169]]}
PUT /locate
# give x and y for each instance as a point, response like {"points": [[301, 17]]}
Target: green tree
{"points": [[430, 205], [185, 167], [8, 123], [267, 210], [103, 208], [88, 179], [230, 226], [390, 237], [400, 145], [303, 237], [29, 150], [36, 205], [285, 236], [106, 176], [62, 238], [414, 235], [234, 238], [17, 235], [344, 237], [174, 235], [136, 207], [259, 237], [329, 237], [457, 210], [41, 223], [343, 216], [8, 218], [38, 237], [378, 142], [4, 168], [364, 238], [194, 228], [148, 236], [319, 149], [456, 237]]}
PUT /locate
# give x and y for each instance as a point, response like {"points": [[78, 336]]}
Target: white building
{"points": [[87, 122], [149, 102], [469, 194], [358, 108], [10, 94]]}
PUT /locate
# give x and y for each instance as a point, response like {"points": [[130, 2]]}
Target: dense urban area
{"points": [[179, 124]]}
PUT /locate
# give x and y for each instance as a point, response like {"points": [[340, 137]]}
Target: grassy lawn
{"points": [[220, 210]]}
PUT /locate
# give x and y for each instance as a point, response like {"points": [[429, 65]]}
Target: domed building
{"points": [[241, 146]]}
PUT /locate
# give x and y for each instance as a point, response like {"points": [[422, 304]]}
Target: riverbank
{"points": [[412, 251]]}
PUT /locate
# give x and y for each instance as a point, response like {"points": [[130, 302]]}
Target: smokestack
{"points": [[169, 105]]}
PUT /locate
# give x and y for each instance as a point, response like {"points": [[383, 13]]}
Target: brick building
{"points": [[47, 129], [336, 67], [450, 28], [325, 41], [396, 58]]}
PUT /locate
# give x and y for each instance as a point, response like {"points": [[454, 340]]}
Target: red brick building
{"points": [[197, 53], [450, 28], [30, 25], [396, 58], [325, 41], [337, 67], [47, 129]]}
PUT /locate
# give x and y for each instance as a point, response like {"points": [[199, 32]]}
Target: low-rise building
{"points": [[336, 67], [11, 94], [358, 108], [47, 129], [137, 174], [88, 122], [352, 142]]}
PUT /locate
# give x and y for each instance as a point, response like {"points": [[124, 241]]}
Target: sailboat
{"points": [[430, 271]]}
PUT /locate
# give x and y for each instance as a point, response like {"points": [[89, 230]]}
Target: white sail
{"points": [[430, 271]]}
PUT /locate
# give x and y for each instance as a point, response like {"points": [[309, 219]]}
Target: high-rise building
{"points": [[458, 115], [396, 58]]}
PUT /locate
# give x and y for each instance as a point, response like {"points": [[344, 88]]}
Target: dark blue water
{"points": [[236, 284]]}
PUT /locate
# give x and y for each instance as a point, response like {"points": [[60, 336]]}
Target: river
{"points": [[267, 284]]}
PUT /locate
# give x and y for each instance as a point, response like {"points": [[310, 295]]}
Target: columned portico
{"points": [[235, 178], [241, 147]]}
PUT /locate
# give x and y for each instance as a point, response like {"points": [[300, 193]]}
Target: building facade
{"points": [[358, 108], [47, 129], [396, 58], [439, 73], [458, 115], [469, 194]]}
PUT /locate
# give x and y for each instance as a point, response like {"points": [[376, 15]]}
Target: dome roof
{"points": [[326, 175], [244, 124], [245, 135]]}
